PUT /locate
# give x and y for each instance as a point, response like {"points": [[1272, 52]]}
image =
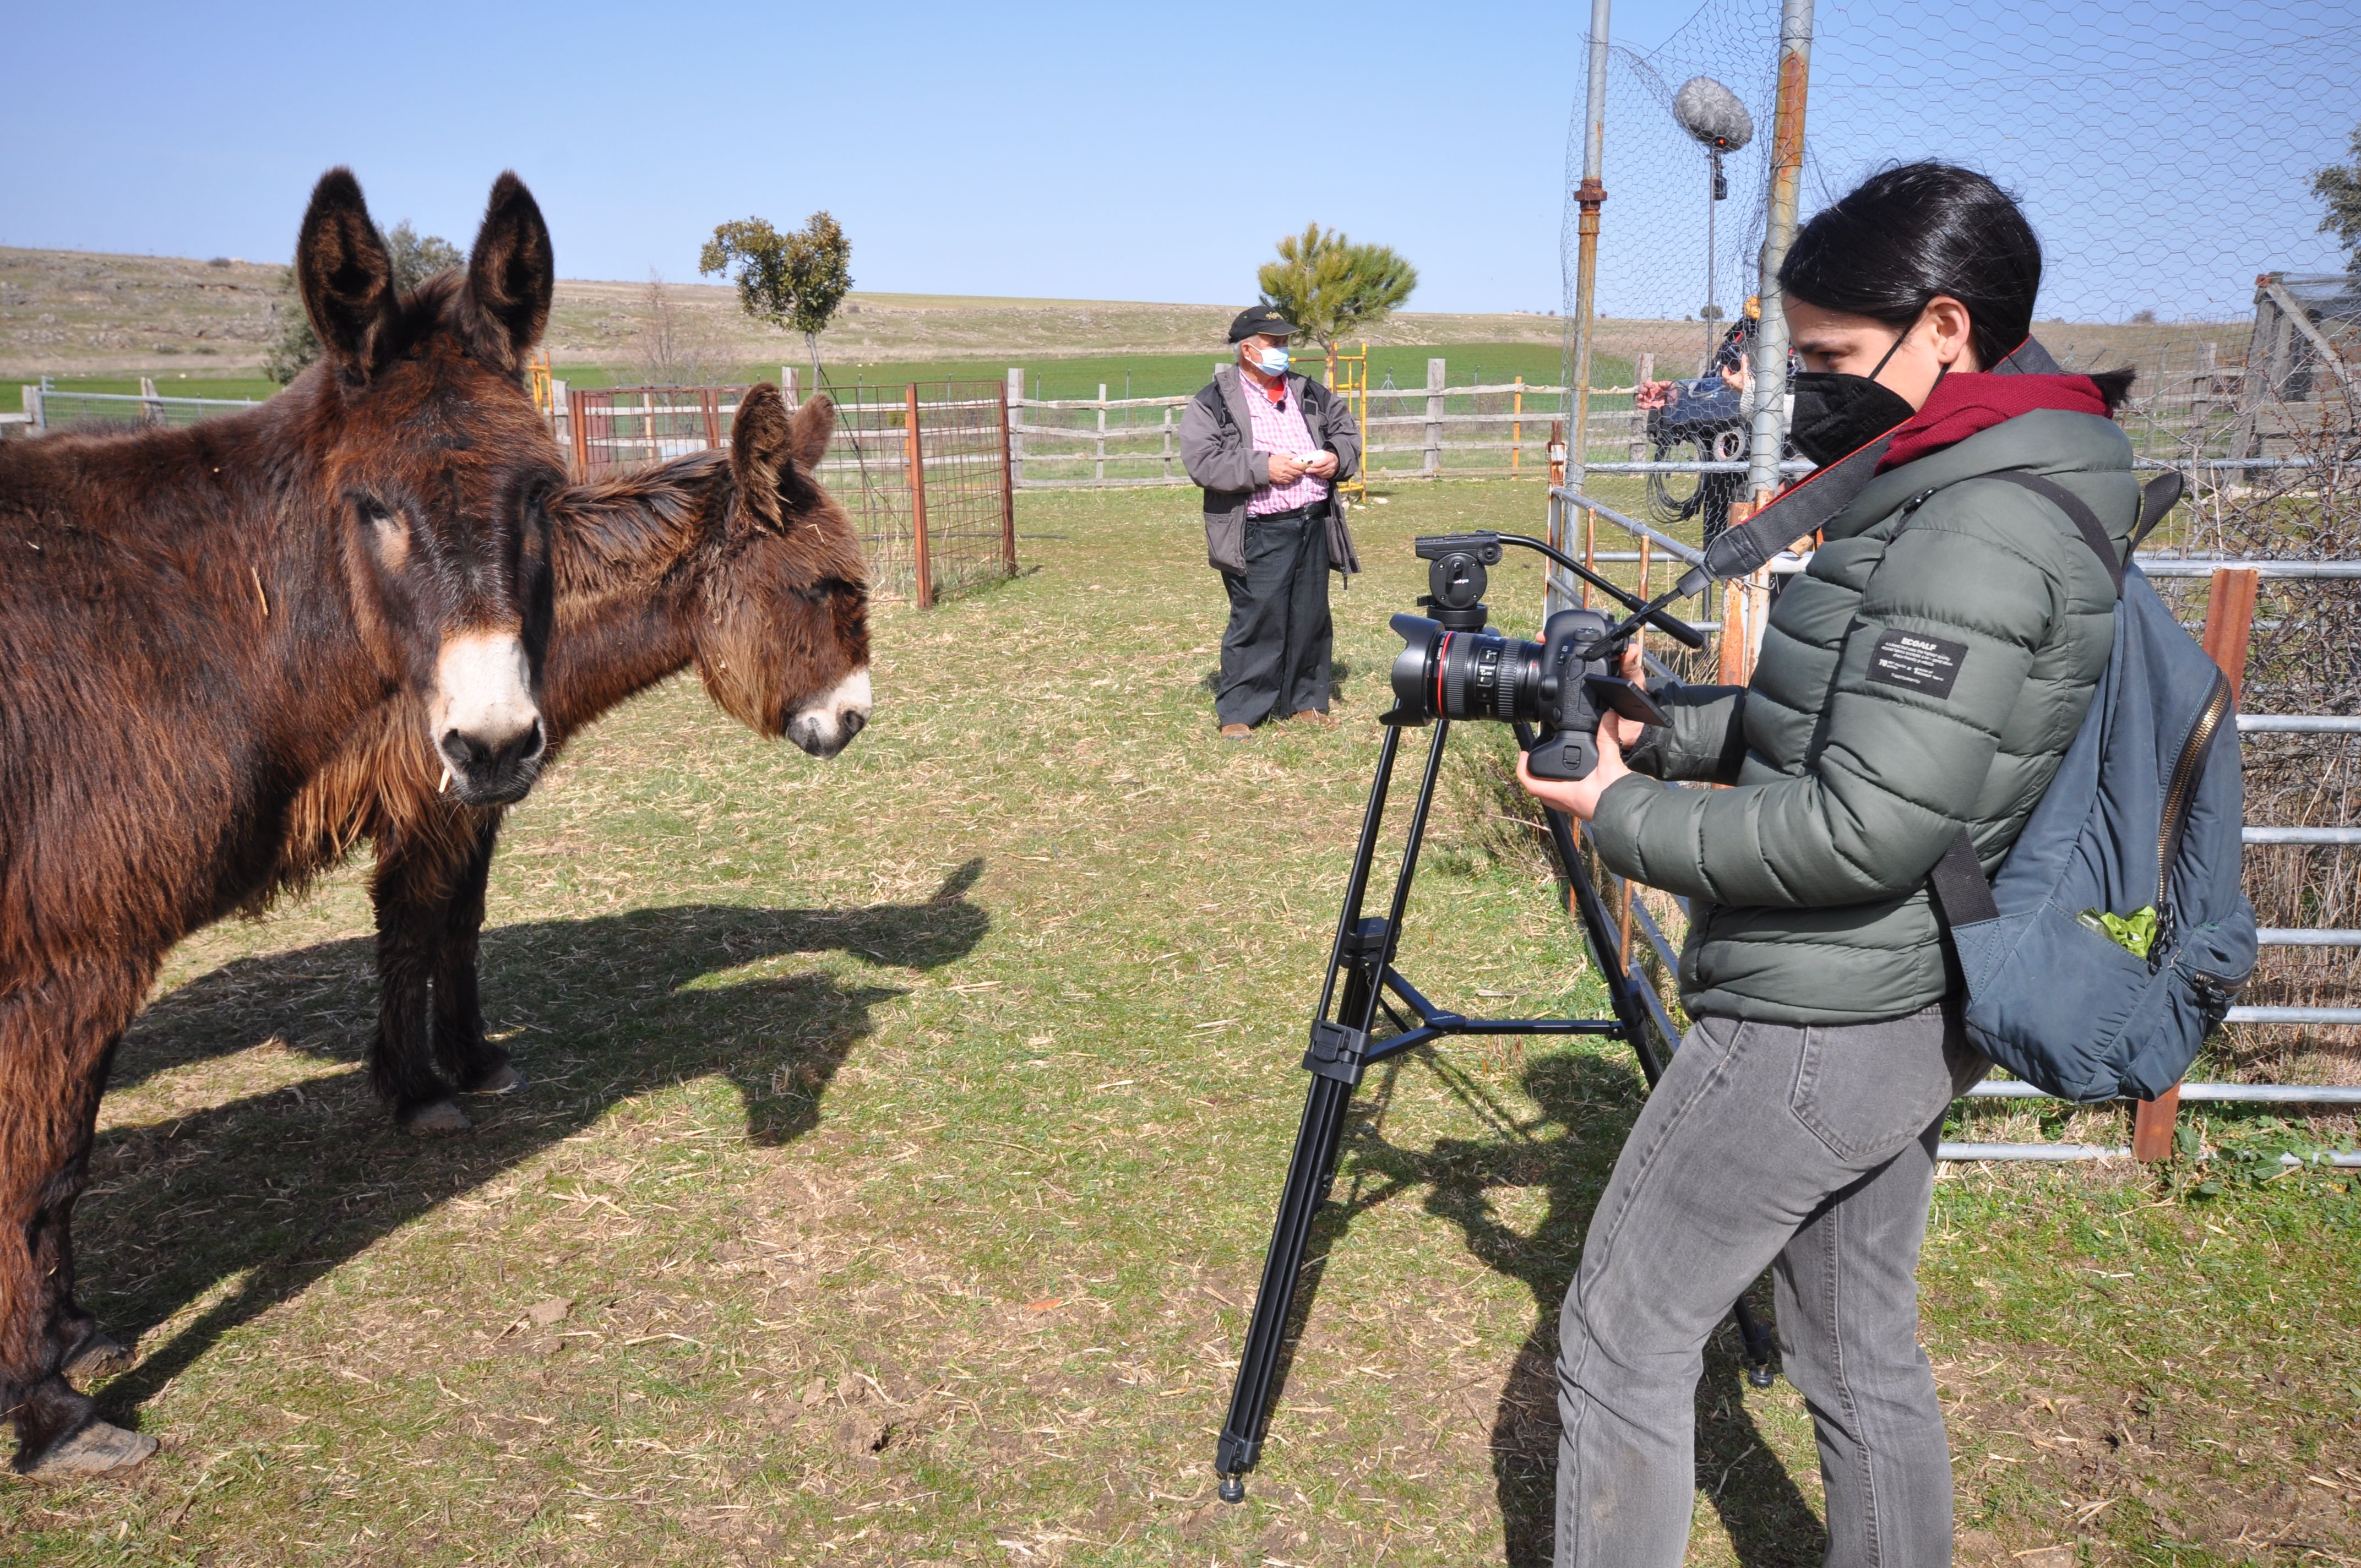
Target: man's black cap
{"points": [[1260, 319]]}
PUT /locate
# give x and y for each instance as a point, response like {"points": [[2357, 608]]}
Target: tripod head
{"points": [[1450, 667]]}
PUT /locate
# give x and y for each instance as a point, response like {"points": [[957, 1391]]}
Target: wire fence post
{"points": [[581, 436], [1779, 231], [1431, 461], [1587, 197], [916, 463], [1013, 399], [1007, 491], [1099, 473], [2229, 626]]}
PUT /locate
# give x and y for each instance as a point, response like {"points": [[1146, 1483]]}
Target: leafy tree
{"points": [[292, 351], [794, 281], [1330, 287], [2339, 185], [415, 258]]}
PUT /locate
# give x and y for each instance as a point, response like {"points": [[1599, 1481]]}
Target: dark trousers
{"points": [[1275, 653]]}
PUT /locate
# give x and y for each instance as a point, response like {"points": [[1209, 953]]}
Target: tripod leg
{"points": [[1307, 1180], [1359, 957], [1755, 1336]]}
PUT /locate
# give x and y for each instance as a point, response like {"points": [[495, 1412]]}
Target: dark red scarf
{"points": [[1963, 404]]}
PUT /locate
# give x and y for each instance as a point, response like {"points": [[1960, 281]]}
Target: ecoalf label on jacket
{"points": [[1916, 662]]}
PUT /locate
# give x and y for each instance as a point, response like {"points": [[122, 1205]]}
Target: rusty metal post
{"points": [[2229, 626], [574, 407], [1778, 233], [915, 464], [709, 404], [1007, 492], [1587, 197]]}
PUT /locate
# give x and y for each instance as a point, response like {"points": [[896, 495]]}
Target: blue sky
{"points": [[1147, 152]]}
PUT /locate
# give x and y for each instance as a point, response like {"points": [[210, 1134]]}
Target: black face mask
{"points": [[1838, 413]]}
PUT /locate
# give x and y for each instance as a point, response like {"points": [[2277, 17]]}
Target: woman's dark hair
{"points": [[1905, 234]]}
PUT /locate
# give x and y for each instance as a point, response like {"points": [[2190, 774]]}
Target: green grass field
{"points": [[1161, 375], [901, 1146], [1138, 375]]}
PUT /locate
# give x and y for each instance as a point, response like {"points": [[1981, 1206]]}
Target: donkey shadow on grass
{"points": [[1586, 1107], [273, 1193]]}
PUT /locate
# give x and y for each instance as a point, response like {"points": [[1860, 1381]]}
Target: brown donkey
{"points": [[192, 623], [742, 566]]}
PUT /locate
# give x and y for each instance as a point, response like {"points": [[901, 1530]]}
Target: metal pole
{"points": [[1587, 196], [1712, 315], [1007, 491], [916, 468], [2229, 628], [1779, 232]]}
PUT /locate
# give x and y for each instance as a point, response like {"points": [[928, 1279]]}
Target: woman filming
{"points": [[1924, 675]]}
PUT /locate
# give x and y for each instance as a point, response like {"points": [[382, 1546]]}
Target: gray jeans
{"points": [[1811, 1150]]}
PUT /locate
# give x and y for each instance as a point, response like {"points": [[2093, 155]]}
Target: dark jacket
{"points": [[1217, 448], [1857, 756]]}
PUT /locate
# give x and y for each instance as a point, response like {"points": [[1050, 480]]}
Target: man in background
{"points": [[1267, 446]]}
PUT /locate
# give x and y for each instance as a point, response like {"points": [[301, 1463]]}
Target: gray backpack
{"points": [[2117, 932]]}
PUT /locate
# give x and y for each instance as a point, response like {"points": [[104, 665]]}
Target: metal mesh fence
{"points": [[615, 428], [62, 409], [926, 477], [941, 499], [2164, 149]]}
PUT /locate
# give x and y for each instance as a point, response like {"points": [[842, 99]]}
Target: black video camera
{"points": [[1450, 667]]}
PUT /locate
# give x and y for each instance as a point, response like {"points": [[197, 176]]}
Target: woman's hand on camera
{"points": [[1579, 799], [1627, 731]]}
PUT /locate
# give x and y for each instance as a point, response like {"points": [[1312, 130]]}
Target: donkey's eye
{"points": [[390, 535]]}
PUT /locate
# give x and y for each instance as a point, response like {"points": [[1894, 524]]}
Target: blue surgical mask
{"points": [[1273, 361]]}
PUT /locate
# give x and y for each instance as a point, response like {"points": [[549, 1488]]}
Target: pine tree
{"points": [[2339, 185], [1329, 287]]}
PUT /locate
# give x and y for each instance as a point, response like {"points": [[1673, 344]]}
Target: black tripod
{"points": [[1343, 1049]]}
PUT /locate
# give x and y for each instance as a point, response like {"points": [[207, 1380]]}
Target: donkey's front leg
{"points": [[474, 1063], [411, 889], [56, 1039]]}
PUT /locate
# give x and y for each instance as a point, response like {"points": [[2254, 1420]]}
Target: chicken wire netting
{"points": [[2164, 149], [2167, 153]]}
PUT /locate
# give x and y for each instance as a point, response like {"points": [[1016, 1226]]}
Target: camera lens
{"points": [[1465, 675]]}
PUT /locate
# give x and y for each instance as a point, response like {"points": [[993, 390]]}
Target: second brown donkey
{"points": [[741, 566]]}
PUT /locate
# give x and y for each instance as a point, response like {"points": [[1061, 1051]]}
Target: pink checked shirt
{"points": [[1280, 429]]}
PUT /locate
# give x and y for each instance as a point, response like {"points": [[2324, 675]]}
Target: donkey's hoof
{"points": [[98, 1450], [440, 1120], [97, 1358], [502, 1080]]}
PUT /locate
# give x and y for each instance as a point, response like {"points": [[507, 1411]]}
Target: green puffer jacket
{"points": [[1913, 680]]}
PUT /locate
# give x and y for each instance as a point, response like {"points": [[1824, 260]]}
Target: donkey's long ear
{"points": [[344, 275], [814, 423], [761, 450], [510, 275]]}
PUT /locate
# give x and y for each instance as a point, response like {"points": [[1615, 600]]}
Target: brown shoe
{"points": [[1318, 716], [1237, 731]]}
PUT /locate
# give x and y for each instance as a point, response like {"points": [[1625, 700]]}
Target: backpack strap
{"points": [[1958, 879], [2094, 534], [1960, 886]]}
